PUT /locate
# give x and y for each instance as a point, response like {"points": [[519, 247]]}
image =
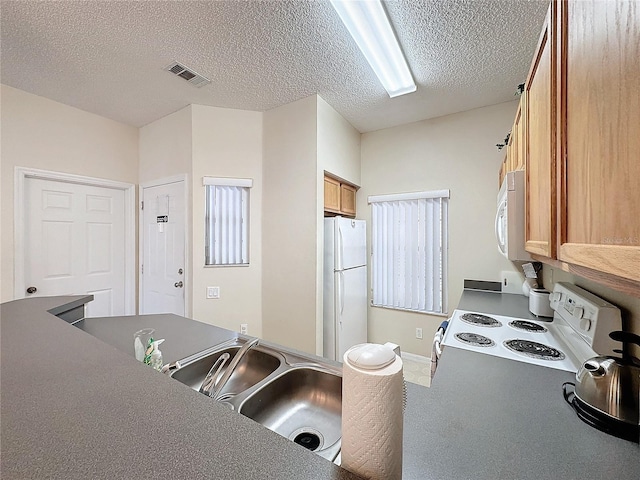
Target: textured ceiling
{"points": [[107, 57]]}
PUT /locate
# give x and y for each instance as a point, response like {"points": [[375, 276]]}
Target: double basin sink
{"points": [[292, 395]]}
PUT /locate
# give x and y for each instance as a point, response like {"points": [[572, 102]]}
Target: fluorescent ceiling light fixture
{"points": [[369, 26]]}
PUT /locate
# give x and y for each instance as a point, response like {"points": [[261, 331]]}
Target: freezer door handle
{"points": [[339, 249]]}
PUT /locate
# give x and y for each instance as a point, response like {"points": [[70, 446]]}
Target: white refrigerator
{"points": [[345, 285]]}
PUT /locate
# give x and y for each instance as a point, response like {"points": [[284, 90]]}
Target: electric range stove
{"points": [[578, 331]]}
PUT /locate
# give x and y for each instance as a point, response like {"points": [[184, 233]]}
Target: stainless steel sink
{"points": [[254, 367], [288, 392], [303, 405]]}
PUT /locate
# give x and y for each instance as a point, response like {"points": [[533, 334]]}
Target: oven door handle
{"points": [[436, 347]]}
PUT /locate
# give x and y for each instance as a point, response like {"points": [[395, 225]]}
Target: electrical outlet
{"points": [[213, 292], [244, 329], [419, 333]]}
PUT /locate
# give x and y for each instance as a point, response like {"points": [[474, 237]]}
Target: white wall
{"points": [[289, 231], [228, 143], [338, 152], [455, 152], [629, 306], [165, 151], [165, 147], [39, 133], [338, 145]]}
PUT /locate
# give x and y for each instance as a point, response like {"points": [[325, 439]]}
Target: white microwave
{"points": [[510, 218]]}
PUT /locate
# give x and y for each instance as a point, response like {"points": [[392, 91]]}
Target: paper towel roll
{"points": [[372, 399]]}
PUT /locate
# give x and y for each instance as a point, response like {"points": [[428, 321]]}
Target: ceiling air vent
{"points": [[189, 75]]}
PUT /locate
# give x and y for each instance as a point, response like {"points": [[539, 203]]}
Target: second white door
{"points": [[163, 275]]}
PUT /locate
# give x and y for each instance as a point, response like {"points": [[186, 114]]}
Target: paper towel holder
{"points": [[371, 356]]}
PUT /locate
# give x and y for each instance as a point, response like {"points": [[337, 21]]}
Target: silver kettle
{"points": [[607, 391]]}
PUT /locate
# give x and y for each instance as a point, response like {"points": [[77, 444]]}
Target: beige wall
{"points": [[289, 229], [43, 134], [338, 144], [228, 143], [338, 152], [455, 152], [165, 147], [166, 151], [629, 306]]}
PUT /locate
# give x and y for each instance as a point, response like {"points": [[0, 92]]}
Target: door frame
{"points": [[182, 178], [20, 178]]}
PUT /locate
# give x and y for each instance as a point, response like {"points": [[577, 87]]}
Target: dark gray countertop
{"points": [[486, 417], [507, 304], [75, 407]]}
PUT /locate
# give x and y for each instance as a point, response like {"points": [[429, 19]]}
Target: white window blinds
{"points": [[409, 251], [227, 221]]}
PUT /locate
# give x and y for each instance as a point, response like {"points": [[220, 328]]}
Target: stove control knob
{"points": [[585, 324], [578, 312]]}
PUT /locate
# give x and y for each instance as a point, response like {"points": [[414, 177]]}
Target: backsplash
{"points": [[629, 306]]}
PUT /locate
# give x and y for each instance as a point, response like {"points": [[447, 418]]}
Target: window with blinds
{"points": [[409, 251], [227, 221]]}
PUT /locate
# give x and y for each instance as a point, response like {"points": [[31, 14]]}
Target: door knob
{"points": [[178, 284], [32, 290]]}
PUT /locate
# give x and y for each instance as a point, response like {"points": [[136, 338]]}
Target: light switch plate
{"points": [[213, 292]]}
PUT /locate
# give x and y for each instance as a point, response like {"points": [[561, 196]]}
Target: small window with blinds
{"points": [[409, 251], [227, 221]]}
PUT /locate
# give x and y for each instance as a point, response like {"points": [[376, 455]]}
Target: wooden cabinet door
{"points": [[540, 158], [331, 194], [518, 138], [599, 207], [347, 199]]}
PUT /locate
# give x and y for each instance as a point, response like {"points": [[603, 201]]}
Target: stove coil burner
{"points": [[527, 326], [533, 349], [474, 339], [480, 320]]}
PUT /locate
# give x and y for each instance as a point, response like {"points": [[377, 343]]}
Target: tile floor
{"points": [[417, 370]]}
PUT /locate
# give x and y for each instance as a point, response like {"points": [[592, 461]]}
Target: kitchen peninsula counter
{"points": [[77, 406]]}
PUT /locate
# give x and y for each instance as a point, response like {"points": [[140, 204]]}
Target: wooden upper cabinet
{"points": [[540, 145], [339, 197], [331, 194], [518, 137], [599, 186], [514, 150], [348, 199]]}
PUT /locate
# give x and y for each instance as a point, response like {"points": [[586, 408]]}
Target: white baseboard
{"points": [[415, 358]]}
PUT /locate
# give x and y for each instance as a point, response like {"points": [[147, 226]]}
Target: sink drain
{"points": [[309, 438]]}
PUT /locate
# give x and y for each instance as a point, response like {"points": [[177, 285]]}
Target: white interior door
{"points": [[74, 239], [163, 260]]}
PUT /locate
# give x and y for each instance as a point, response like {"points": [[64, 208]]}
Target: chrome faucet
{"points": [[210, 387], [209, 383]]}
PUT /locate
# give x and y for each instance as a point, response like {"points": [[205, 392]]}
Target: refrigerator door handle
{"points": [[341, 293]]}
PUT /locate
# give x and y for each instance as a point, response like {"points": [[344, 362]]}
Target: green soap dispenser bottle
{"points": [[155, 357]]}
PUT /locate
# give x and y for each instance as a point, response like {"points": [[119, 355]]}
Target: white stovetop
{"points": [[506, 332]]}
